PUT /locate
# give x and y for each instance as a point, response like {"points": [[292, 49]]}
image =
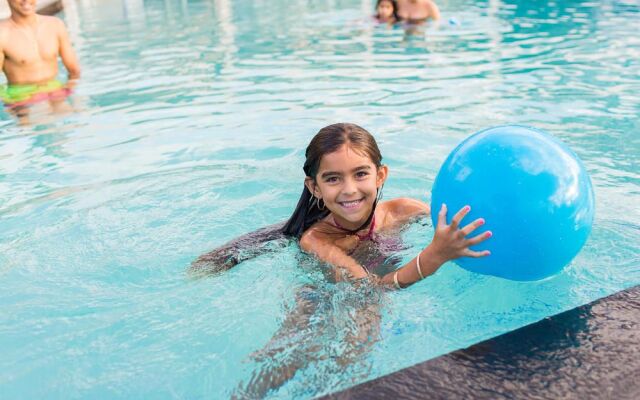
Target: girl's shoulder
{"points": [[403, 209], [321, 239], [318, 234], [310, 238]]}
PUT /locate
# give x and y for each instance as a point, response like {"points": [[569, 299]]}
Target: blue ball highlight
{"points": [[533, 193]]}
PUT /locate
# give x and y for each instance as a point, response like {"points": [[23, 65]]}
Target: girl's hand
{"points": [[451, 242]]}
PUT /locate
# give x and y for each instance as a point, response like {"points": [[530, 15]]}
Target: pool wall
{"points": [[589, 352]]}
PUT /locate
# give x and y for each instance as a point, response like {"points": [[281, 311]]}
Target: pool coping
{"points": [[588, 352], [44, 7]]}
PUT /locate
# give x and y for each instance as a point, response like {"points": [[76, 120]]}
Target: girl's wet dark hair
{"points": [[394, 3], [328, 140]]}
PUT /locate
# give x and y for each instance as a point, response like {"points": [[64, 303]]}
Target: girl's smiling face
{"points": [[347, 182]]}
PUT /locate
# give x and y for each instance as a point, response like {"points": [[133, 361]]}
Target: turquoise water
{"points": [[190, 125]]}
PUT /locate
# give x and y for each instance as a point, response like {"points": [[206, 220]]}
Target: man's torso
{"points": [[30, 52], [413, 11]]}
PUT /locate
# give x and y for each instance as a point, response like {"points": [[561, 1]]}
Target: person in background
{"points": [[417, 11], [30, 45], [387, 11]]}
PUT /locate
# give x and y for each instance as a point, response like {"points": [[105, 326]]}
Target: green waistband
{"points": [[16, 93]]}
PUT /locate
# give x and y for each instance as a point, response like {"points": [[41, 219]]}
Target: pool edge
{"points": [[585, 352]]}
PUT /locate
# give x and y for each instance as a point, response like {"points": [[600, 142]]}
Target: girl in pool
{"points": [[387, 11], [341, 221], [340, 211], [340, 208]]}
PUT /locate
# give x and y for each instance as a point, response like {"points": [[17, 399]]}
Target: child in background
{"points": [[387, 11]]}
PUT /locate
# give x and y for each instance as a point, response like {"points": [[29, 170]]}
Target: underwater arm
{"points": [[315, 244]]}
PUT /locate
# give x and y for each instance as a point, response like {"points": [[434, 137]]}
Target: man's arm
{"points": [[67, 54], [1, 56], [2, 42]]}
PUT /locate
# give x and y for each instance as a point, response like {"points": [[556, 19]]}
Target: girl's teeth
{"points": [[350, 203]]}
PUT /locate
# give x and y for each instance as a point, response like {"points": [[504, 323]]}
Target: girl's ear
{"points": [[381, 175], [312, 187]]}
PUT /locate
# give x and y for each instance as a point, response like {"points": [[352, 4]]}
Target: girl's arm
{"points": [[449, 242], [318, 245]]}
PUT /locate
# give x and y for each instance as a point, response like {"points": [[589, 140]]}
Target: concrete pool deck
{"points": [[44, 7], [589, 352]]}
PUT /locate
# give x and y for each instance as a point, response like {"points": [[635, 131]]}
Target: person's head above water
{"points": [[387, 11], [344, 174], [22, 8]]}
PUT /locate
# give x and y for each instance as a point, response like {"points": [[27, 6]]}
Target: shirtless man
{"points": [[417, 11], [29, 48]]}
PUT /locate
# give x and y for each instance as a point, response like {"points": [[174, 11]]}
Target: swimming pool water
{"points": [[191, 122]]}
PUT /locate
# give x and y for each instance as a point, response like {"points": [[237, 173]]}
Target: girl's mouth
{"points": [[351, 205]]}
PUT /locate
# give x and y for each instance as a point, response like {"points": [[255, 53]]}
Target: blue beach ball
{"points": [[533, 193]]}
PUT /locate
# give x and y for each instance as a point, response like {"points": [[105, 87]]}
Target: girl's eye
{"points": [[331, 179], [361, 174]]}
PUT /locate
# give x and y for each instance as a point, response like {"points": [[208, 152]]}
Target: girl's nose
{"points": [[349, 187]]}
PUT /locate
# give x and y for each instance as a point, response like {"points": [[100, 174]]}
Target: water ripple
{"points": [[190, 125]]}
